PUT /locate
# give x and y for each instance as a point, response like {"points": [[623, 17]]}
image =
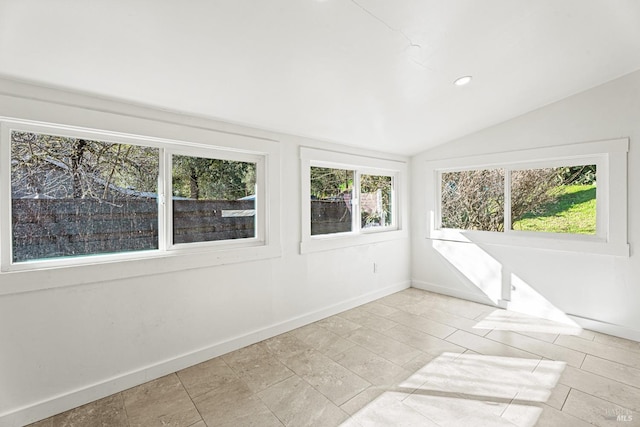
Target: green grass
{"points": [[574, 211]]}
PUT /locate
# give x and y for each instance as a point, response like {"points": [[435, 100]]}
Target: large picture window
{"points": [[563, 198], [549, 200], [74, 197], [77, 195]]}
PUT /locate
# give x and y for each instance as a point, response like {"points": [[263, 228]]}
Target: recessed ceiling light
{"points": [[461, 81]]}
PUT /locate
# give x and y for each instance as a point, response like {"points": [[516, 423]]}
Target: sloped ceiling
{"points": [[372, 73]]}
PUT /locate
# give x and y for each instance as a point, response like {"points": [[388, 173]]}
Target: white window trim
{"points": [[610, 158], [363, 166], [68, 271]]}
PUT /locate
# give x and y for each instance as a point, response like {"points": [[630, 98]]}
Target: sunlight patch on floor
{"points": [[467, 389]]}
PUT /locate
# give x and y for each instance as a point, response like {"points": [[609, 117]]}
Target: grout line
{"points": [[565, 398], [124, 406]]}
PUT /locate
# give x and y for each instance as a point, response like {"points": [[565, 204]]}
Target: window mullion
{"points": [[507, 200], [164, 176], [355, 203]]}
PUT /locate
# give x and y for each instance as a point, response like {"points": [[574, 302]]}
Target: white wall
{"points": [[66, 346], [598, 291]]}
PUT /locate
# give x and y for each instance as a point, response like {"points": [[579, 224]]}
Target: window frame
{"points": [[610, 158], [361, 165], [264, 245]]}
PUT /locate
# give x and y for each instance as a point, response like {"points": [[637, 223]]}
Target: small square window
{"points": [[212, 199]]}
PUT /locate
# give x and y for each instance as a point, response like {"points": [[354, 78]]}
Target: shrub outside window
{"points": [[550, 200]]}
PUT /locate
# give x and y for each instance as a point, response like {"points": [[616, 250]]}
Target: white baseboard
{"points": [[445, 290], [584, 322], [606, 328], [74, 398]]}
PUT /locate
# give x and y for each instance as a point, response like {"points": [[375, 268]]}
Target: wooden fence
{"points": [[48, 228]]}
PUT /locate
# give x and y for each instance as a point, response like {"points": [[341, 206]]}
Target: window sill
{"points": [[329, 242], [41, 275], [538, 241]]}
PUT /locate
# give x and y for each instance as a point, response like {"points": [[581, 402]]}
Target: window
{"points": [[554, 200], [74, 197], [348, 199], [376, 201], [473, 199], [212, 199], [79, 196], [564, 198], [331, 196], [551, 200]]}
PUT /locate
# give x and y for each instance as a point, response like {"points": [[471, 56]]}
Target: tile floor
{"points": [[413, 358]]}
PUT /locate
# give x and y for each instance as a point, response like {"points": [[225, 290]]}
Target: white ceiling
{"points": [[370, 73]]}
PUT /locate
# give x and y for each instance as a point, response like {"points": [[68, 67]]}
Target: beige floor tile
{"points": [[540, 415], [486, 346], [494, 378], [558, 396], [296, 403], [384, 346], [389, 410], [450, 409], [162, 402], [535, 346], [449, 319], [257, 367], [598, 411], [506, 320], [286, 345], [616, 371], [206, 376], [367, 396], [463, 308], [422, 324], [617, 342], [367, 319], [379, 309], [199, 424], [234, 404], [602, 350], [373, 368], [601, 387], [107, 412], [336, 382], [401, 299], [322, 339], [542, 336], [338, 325]]}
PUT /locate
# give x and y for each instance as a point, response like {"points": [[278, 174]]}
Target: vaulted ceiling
{"points": [[372, 73]]}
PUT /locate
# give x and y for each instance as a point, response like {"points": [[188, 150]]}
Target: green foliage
{"points": [[212, 179], [329, 183], [573, 211]]}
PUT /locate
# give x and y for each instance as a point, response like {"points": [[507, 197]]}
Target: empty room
{"points": [[319, 213]]}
